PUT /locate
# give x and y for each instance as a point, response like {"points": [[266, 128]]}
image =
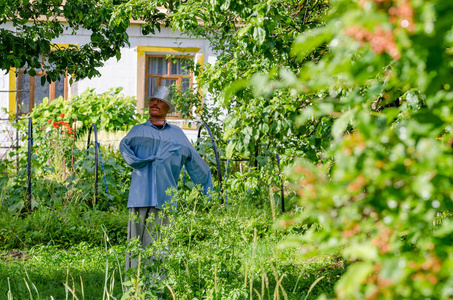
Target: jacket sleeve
{"points": [[199, 171], [129, 155]]}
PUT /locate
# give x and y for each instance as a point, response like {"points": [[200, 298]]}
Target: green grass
{"points": [[61, 226], [216, 252], [46, 271]]}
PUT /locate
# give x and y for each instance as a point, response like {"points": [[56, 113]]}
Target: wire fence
{"points": [[10, 142], [10, 139], [219, 170]]}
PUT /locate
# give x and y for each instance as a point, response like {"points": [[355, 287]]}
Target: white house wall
{"points": [[4, 99]]}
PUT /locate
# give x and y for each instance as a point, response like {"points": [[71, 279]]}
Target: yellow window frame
{"points": [[143, 51]]}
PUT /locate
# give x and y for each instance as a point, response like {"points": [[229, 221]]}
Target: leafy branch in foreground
{"points": [[385, 199]]}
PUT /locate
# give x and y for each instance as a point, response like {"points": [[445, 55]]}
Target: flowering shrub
{"points": [[56, 126], [53, 144], [110, 111]]}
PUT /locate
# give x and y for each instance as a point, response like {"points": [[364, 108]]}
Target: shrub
{"points": [[110, 111]]}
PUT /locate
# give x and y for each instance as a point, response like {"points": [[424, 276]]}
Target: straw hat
{"points": [[163, 93]]}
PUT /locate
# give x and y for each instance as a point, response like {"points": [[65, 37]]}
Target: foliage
{"points": [[110, 111], [37, 24], [53, 147], [385, 78], [115, 170], [52, 188], [212, 250], [363, 98], [365, 92], [228, 250], [250, 37], [196, 108]]}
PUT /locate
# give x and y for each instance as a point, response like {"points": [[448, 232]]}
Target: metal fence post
{"points": [[30, 145], [93, 126], [281, 178], [214, 145]]}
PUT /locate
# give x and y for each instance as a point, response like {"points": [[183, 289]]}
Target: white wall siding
{"points": [[4, 95], [115, 73]]}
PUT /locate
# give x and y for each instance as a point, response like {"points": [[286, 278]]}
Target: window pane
{"points": [[59, 87], [180, 66], [40, 91], [151, 85], [185, 83], [157, 65], [168, 83], [24, 85]]}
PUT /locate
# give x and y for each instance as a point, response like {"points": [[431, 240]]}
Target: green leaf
{"points": [[262, 160], [225, 5], [391, 268], [259, 82], [244, 30], [348, 287], [259, 34], [391, 114], [308, 41], [231, 90], [447, 291], [360, 252], [340, 124], [426, 116], [229, 150], [32, 72]]}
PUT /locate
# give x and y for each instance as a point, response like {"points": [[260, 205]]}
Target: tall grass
{"points": [[219, 252], [210, 251]]}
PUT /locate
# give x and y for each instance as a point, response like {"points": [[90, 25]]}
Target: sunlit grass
{"points": [[47, 271]]}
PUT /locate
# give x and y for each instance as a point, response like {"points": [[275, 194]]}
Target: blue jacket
{"points": [[157, 157]]}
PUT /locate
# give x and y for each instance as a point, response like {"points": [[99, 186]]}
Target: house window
{"points": [[167, 71], [31, 92]]}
